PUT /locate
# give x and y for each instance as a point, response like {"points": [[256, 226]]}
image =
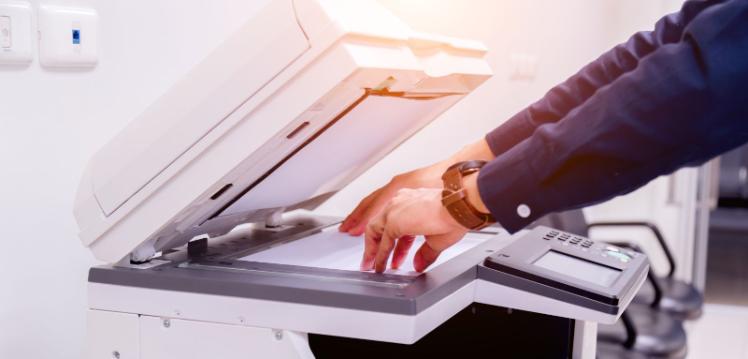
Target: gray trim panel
{"points": [[396, 294], [305, 285]]}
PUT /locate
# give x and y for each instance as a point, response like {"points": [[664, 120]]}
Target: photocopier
{"points": [[203, 209]]}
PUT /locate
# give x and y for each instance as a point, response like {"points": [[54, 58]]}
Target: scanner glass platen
{"points": [[331, 249]]}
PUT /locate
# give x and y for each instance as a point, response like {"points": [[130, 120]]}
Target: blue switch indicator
{"points": [[76, 36]]}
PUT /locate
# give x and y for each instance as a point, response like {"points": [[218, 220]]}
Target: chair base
{"points": [[658, 335], [679, 299]]}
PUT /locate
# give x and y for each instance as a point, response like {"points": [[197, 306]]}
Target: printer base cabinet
{"points": [[476, 331], [123, 336]]}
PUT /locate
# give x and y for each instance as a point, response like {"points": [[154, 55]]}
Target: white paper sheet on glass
{"points": [[334, 250]]}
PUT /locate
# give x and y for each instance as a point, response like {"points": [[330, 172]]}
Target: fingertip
{"points": [[346, 224], [418, 262], [358, 230], [401, 251], [425, 257], [380, 263], [367, 262]]}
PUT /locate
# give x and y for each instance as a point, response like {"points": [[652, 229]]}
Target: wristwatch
{"points": [[454, 197]]}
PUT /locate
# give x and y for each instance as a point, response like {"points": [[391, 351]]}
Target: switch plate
{"points": [[68, 37], [5, 32], [524, 66], [15, 32]]}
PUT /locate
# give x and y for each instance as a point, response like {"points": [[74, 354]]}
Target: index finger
{"points": [[372, 237], [386, 244], [354, 218], [356, 222]]}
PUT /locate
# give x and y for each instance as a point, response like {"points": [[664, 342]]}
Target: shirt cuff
{"points": [[511, 190]]}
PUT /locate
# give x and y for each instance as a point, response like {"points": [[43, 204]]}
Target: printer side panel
{"points": [[126, 335], [112, 334]]}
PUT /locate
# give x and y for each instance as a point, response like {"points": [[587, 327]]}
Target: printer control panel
{"points": [[568, 267], [583, 245]]}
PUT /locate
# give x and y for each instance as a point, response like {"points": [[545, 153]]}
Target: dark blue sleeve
{"points": [[681, 104], [577, 89]]}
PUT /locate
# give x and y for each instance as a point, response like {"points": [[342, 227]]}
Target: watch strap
{"points": [[455, 200]]}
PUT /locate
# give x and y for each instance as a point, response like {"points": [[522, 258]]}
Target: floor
{"points": [[727, 258], [722, 332]]}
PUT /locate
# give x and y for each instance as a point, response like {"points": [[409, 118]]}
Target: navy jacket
{"points": [[667, 98]]}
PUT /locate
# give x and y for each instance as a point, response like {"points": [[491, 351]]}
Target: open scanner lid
{"points": [[304, 98]]}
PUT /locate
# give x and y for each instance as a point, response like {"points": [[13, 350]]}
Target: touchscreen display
{"points": [[578, 268]]}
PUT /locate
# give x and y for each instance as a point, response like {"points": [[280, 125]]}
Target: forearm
{"points": [[575, 91], [478, 150], [682, 105]]}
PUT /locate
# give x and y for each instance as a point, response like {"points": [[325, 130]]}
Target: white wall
{"points": [[52, 121]]}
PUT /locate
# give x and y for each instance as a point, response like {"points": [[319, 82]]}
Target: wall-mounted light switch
{"points": [[524, 67], [15, 32], [6, 39]]}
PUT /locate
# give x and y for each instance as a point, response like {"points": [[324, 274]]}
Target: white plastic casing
{"points": [[229, 122], [68, 37], [15, 33]]}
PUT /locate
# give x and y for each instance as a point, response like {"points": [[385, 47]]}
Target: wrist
{"points": [[461, 198], [478, 150], [472, 192]]}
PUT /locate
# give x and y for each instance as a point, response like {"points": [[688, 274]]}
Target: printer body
{"points": [[203, 207]]}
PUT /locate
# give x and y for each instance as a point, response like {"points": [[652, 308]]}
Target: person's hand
{"points": [[426, 177], [411, 212]]}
